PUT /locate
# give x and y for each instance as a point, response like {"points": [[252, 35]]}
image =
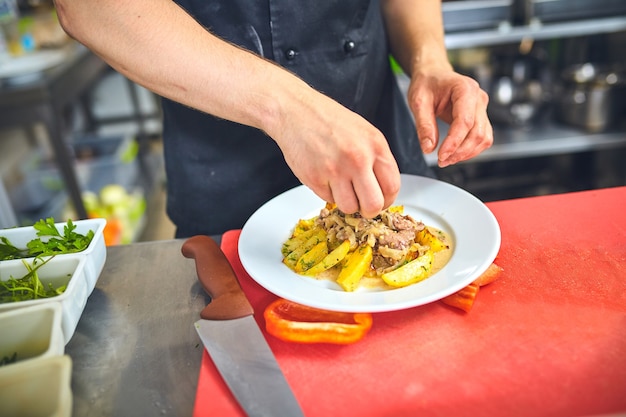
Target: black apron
{"points": [[219, 172]]}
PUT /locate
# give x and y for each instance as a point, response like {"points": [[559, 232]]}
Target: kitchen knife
{"points": [[233, 339]]}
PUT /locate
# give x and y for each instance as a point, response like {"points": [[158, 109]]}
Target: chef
{"points": [[260, 96]]}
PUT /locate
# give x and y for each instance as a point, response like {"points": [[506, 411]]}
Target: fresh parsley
{"points": [[49, 241], [8, 251], [28, 287], [7, 360]]}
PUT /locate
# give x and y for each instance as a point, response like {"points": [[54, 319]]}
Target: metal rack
{"points": [[536, 30], [533, 155], [542, 140], [546, 138], [45, 101]]}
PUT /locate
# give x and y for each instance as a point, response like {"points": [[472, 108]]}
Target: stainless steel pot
{"points": [[517, 92], [589, 97]]}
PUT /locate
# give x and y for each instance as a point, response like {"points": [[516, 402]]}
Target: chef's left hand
{"points": [[440, 92]]}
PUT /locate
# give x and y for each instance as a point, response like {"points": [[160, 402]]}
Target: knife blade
{"points": [[233, 339]]}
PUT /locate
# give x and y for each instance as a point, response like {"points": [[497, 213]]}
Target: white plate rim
{"points": [[473, 227]]}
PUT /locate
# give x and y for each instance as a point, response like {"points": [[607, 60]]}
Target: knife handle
{"points": [[228, 300]]}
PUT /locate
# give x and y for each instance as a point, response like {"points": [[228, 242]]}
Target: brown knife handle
{"points": [[228, 301]]}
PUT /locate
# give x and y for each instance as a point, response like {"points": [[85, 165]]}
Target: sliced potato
{"points": [[303, 226], [298, 240], [333, 258], [432, 239], [356, 265], [311, 257], [411, 272], [291, 259]]}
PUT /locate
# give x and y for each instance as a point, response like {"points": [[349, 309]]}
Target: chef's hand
{"points": [[457, 100], [338, 154]]}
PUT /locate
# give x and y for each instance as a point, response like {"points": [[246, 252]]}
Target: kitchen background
{"points": [[555, 71]]}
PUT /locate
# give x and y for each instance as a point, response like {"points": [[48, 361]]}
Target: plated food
{"points": [[391, 250], [472, 227]]}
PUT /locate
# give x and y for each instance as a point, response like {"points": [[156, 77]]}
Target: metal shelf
{"points": [[507, 33], [542, 140], [548, 138]]}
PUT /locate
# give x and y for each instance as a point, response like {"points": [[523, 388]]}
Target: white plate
{"points": [[472, 226]]}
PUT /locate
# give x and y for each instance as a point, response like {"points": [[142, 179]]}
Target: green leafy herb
{"points": [[8, 251], [50, 241], [28, 287], [7, 360]]}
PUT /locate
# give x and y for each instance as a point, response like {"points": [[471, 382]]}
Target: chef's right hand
{"points": [[338, 154]]}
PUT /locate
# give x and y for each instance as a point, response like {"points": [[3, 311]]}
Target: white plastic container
{"points": [[37, 388], [30, 333], [95, 252], [67, 270]]}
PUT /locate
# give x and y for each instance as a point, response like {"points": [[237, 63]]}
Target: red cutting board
{"points": [[547, 339]]}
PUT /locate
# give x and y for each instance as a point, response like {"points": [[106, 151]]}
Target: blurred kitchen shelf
{"points": [[540, 140], [507, 33], [544, 138], [463, 15]]}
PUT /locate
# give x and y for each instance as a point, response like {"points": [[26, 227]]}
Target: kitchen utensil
{"points": [[518, 90], [233, 339], [589, 97]]}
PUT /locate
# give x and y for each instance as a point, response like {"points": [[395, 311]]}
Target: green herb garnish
{"points": [[28, 287], [50, 241], [8, 251], [7, 360]]}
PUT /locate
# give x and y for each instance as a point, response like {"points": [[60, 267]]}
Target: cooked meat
{"points": [[391, 235]]}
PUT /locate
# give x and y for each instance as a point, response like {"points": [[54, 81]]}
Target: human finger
{"points": [[479, 138], [423, 109], [344, 196], [469, 108], [324, 192], [369, 194], [388, 176]]}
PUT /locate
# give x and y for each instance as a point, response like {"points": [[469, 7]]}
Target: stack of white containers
{"points": [[35, 373]]}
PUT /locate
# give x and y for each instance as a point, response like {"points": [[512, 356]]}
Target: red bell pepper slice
{"points": [[464, 299], [293, 322]]}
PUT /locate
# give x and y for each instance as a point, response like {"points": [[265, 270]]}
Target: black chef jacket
{"points": [[219, 172]]}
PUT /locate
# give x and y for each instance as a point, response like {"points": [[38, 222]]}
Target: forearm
{"points": [[416, 34], [161, 47], [332, 150]]}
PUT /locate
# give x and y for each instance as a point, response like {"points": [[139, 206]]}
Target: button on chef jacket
{"points": [[220, 172]]}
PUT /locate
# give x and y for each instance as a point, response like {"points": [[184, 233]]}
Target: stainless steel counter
{"points": [[135, 351]]}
